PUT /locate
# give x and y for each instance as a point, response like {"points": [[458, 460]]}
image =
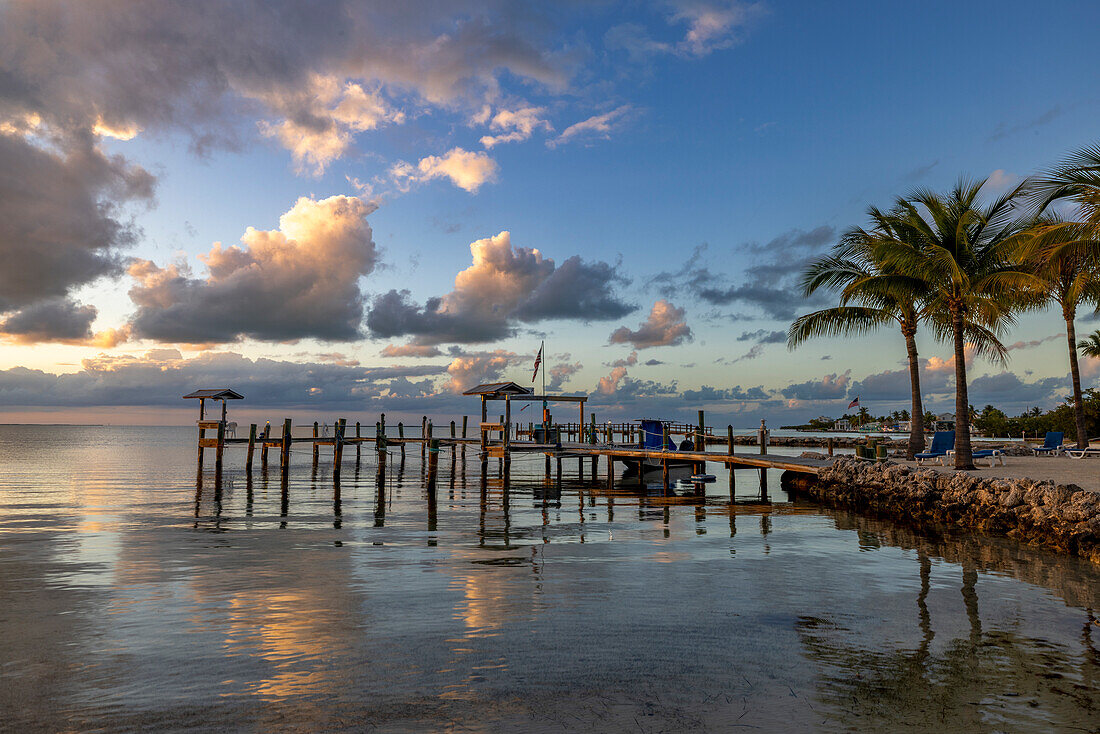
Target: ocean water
{"points": [[137, 595]]}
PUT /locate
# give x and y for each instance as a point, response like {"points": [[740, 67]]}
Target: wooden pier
{"points": [[500, 440]]}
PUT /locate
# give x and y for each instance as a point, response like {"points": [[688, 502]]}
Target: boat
{"points": [[652, 434]]}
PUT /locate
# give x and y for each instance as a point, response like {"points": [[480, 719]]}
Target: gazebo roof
{"points": [[220, 393], [499, 388]]}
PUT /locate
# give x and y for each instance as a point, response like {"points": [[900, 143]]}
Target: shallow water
{"points": [[132, 600]]}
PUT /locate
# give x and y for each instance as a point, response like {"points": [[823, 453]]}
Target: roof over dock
{"points": [[218, 393]]}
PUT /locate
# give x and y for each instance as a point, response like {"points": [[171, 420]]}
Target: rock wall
{"points": [[1062, 517]]}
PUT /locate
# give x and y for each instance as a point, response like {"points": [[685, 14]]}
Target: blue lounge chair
{"points": [[991, 454], [942, 442], [1052, 444]]}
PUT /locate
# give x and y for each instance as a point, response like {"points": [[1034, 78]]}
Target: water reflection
{"points": [[138, 594]]}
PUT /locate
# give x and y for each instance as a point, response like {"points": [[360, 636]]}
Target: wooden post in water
{"points": [[729, 452], [433, 463], [700, 443], [338, 445], [610, 472], [358, 444], [401, 436], [202, 431], [423, 437], [380, 447], [762, 437], [316, 446], [453, 443], [220, 449], [251, 448], [263, 446], [592, 440], [829, 445], [664, 462], [284, 454]]}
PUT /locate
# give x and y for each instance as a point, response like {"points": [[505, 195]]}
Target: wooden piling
{"points": [[610, 472], [220, 449], [664, 462], [762, 437], [316, 446], [829, 445], [251, 448], [729, 452], [359, 444], [433, 463], [284, 454], [401, 436], [423, 436], [338, 445]]}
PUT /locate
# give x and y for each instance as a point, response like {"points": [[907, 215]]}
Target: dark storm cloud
{"points": [[576, 290], [61, 224], [57, 319], [829, 387]]}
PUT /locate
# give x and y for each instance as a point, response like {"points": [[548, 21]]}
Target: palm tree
{"points": [[1090, 345], [1076, 180], [853, 270], [962, 251], [1067, 262]]}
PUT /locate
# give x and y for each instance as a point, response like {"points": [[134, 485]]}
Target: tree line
{"points": [[963, 266]]}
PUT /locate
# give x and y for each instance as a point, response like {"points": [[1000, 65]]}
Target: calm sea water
{"points": [[134, 599]]}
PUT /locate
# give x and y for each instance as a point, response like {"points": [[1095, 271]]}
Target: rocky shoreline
{"points": [[846, 442], [1065, 518]]}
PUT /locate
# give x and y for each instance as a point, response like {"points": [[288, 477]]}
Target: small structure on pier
{"points": [[221, 393], [506, 391]]}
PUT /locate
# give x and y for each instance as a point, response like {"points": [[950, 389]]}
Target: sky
{"points": [[347, 208]]}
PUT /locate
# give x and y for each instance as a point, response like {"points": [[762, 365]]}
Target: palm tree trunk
{"points": [[963, 458], [916, 423], [1075, 375]]}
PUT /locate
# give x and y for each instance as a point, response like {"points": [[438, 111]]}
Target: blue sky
{"points": [[656, 142]]}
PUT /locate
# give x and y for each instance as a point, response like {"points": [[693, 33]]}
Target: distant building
{"points": [[944, 422], [842, 425]]}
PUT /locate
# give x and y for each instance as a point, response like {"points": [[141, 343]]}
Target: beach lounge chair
{"points": [[1051, 445], [991, 454], [942, 442], [1093, 449]]}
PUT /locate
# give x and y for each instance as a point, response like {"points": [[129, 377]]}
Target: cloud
{"points": [[763, 336], [161, 376], [560, 374], [709, 25], [322, 117], [465, 169], [1003, 130], [770, 284], [712, 25], [298, 281], [652, 362], [629, 361], [595, 127], [475, 368], [1034, 342], [664, 327], [516, 125], [58, 319], [1000, 181], [504, 285], [830, 387], [920, 172], [410, 350], [62, 225]]}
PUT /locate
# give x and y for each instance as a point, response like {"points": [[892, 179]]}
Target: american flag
{"points": [[853, 404], [538, 361]]}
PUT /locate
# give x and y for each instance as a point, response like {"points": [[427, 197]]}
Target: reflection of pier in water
{"points": [[956, 682]]}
